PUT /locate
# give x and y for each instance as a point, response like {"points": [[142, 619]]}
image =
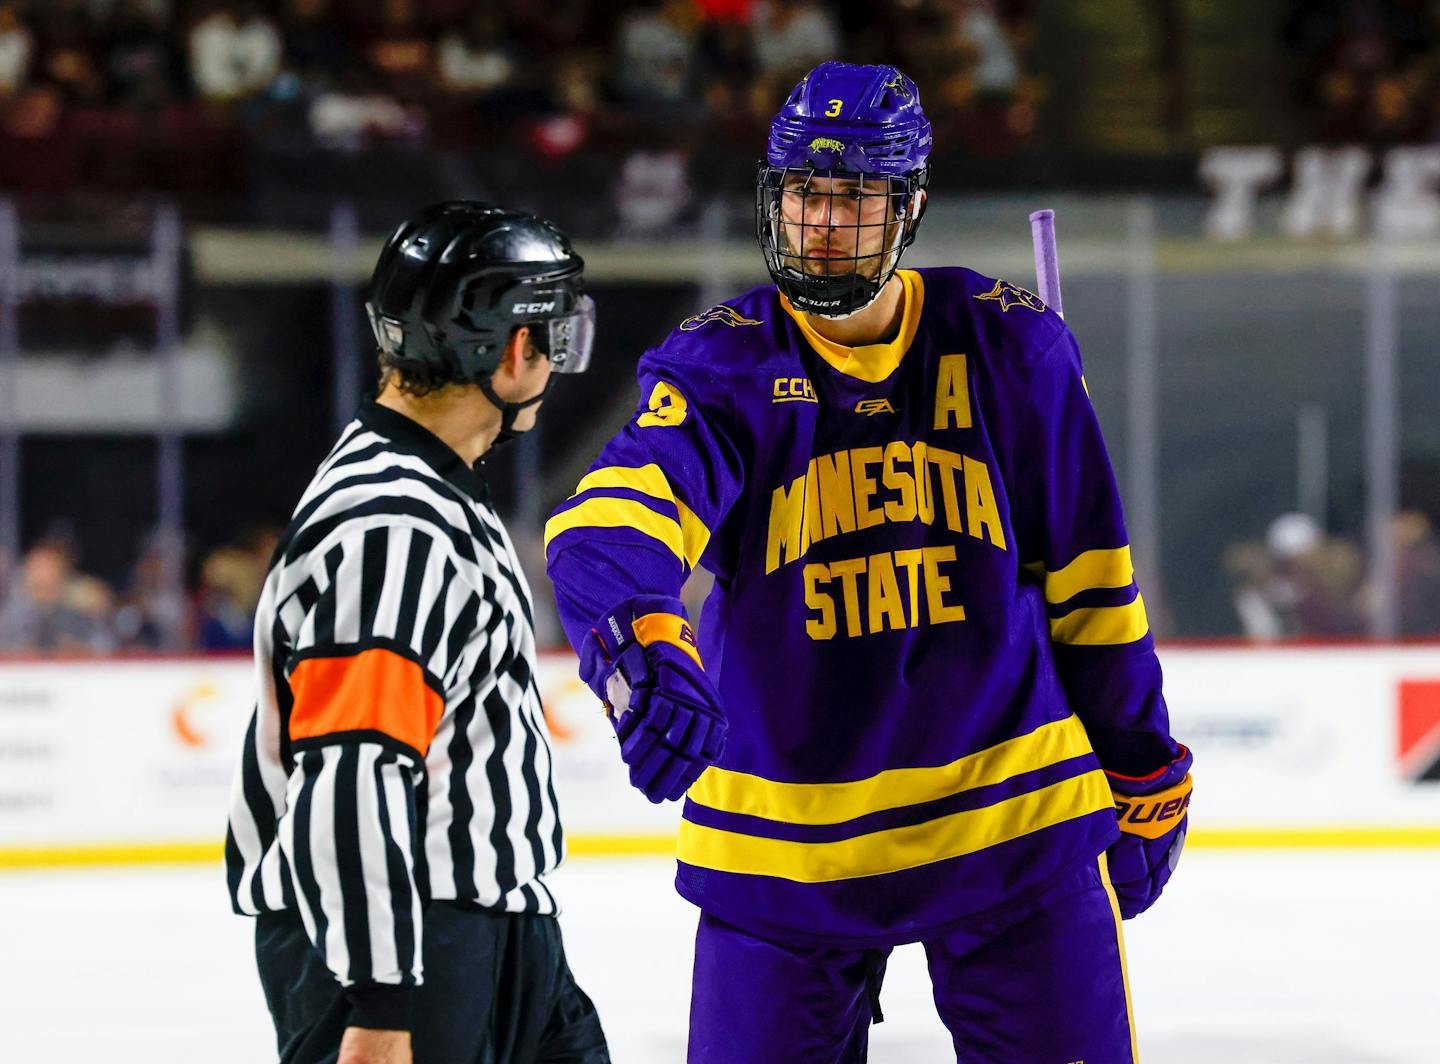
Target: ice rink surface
{"points": [[1251, 958]]}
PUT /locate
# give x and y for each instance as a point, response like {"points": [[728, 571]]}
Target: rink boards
{"points": [[126, 761]]}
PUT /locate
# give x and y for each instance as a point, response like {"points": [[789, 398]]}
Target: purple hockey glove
{"points": [[1153, 812], [642, 661]]}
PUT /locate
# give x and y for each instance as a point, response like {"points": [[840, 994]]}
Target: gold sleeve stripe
{"points": [[897, 848], [618, 513], [1102, 625], [651, 480], [834, 803], [1093, 569]]}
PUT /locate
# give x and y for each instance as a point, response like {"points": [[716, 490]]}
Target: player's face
{"points": [[836, 225]]}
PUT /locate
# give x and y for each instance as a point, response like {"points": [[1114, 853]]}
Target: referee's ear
{"points": [[516, 353]]}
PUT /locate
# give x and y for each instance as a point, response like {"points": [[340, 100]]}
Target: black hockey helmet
{"points": [[454, 281]]}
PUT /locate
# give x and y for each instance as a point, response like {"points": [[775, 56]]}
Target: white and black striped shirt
{"points": [[398, 750]]}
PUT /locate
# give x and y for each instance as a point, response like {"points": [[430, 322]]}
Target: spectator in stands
{"points": [[980, 33], [315, 48], [727, 66], [1298, 583], [1417, 563], [1363, 67], [353, 113], [142, 63], [52, 608], [152, 614], [17, 46], [67, 56], [791, 36], [235, 51], [654, 54], [37, 114], [476, 60], [400, 54], [230, 583]]}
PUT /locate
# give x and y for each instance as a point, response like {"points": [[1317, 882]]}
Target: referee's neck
{"points": [[459, 415]]}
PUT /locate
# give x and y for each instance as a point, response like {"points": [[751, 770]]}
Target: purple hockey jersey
{"points": [[925, 628]]}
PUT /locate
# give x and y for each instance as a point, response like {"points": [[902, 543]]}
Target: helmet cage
{"points": [[819, 248]]}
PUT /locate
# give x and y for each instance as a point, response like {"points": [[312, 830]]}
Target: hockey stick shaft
{"points": [[1047, 261]]}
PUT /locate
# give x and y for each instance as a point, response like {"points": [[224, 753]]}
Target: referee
{"points": [[393, 818]]}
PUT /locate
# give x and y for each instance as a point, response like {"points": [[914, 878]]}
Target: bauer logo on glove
{"points": [[1153, 815]]}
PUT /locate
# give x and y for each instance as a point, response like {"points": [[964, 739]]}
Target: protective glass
{"points": [[572, 338]]}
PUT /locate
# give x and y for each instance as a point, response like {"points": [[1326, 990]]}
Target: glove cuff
{"points": [[1152, 806], [648, 619], [641, 621], [1162, 779]]}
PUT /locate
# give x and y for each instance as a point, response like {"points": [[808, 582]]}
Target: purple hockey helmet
{"points": [[829, 246]]}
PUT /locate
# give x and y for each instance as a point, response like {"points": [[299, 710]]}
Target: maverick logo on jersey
{"points": [[870, 407], [793, 390], [722, 314], [1012, 295], [668, 408]]}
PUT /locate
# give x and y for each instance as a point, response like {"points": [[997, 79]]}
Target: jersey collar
{"points": [[410, 437], [870, 362]]}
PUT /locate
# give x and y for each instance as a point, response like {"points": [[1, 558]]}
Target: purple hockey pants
{"points": [[1041, 982]]}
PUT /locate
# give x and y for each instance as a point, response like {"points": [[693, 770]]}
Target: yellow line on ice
{"points": [[663, 845]]}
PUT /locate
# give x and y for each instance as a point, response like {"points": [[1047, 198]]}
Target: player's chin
{"points": [[828, 265]]}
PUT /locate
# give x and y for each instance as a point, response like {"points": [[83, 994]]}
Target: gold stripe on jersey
{"points": [[895, 849], [1102, 625], [870, 362], [651, 480], [604, 512], [835, 803], [1090, 570], [1120, 946]]}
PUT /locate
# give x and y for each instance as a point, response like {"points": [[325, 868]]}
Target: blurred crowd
{"points": [[1297, 582], [50, 606], [1301, 583], [168, 94], [1366, 70]]}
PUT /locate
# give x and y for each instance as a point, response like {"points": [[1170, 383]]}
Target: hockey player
{"points": [[924, 703], [393, 822]]}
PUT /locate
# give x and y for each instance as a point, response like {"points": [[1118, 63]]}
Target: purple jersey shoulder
{"points": [[711, 350], [740, 331], [1009, 321]]}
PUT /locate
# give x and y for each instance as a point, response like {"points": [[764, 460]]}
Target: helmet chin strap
{"points": [[510, 411]]}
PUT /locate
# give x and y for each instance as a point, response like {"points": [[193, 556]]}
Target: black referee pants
{"points": [[497, 990]]}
